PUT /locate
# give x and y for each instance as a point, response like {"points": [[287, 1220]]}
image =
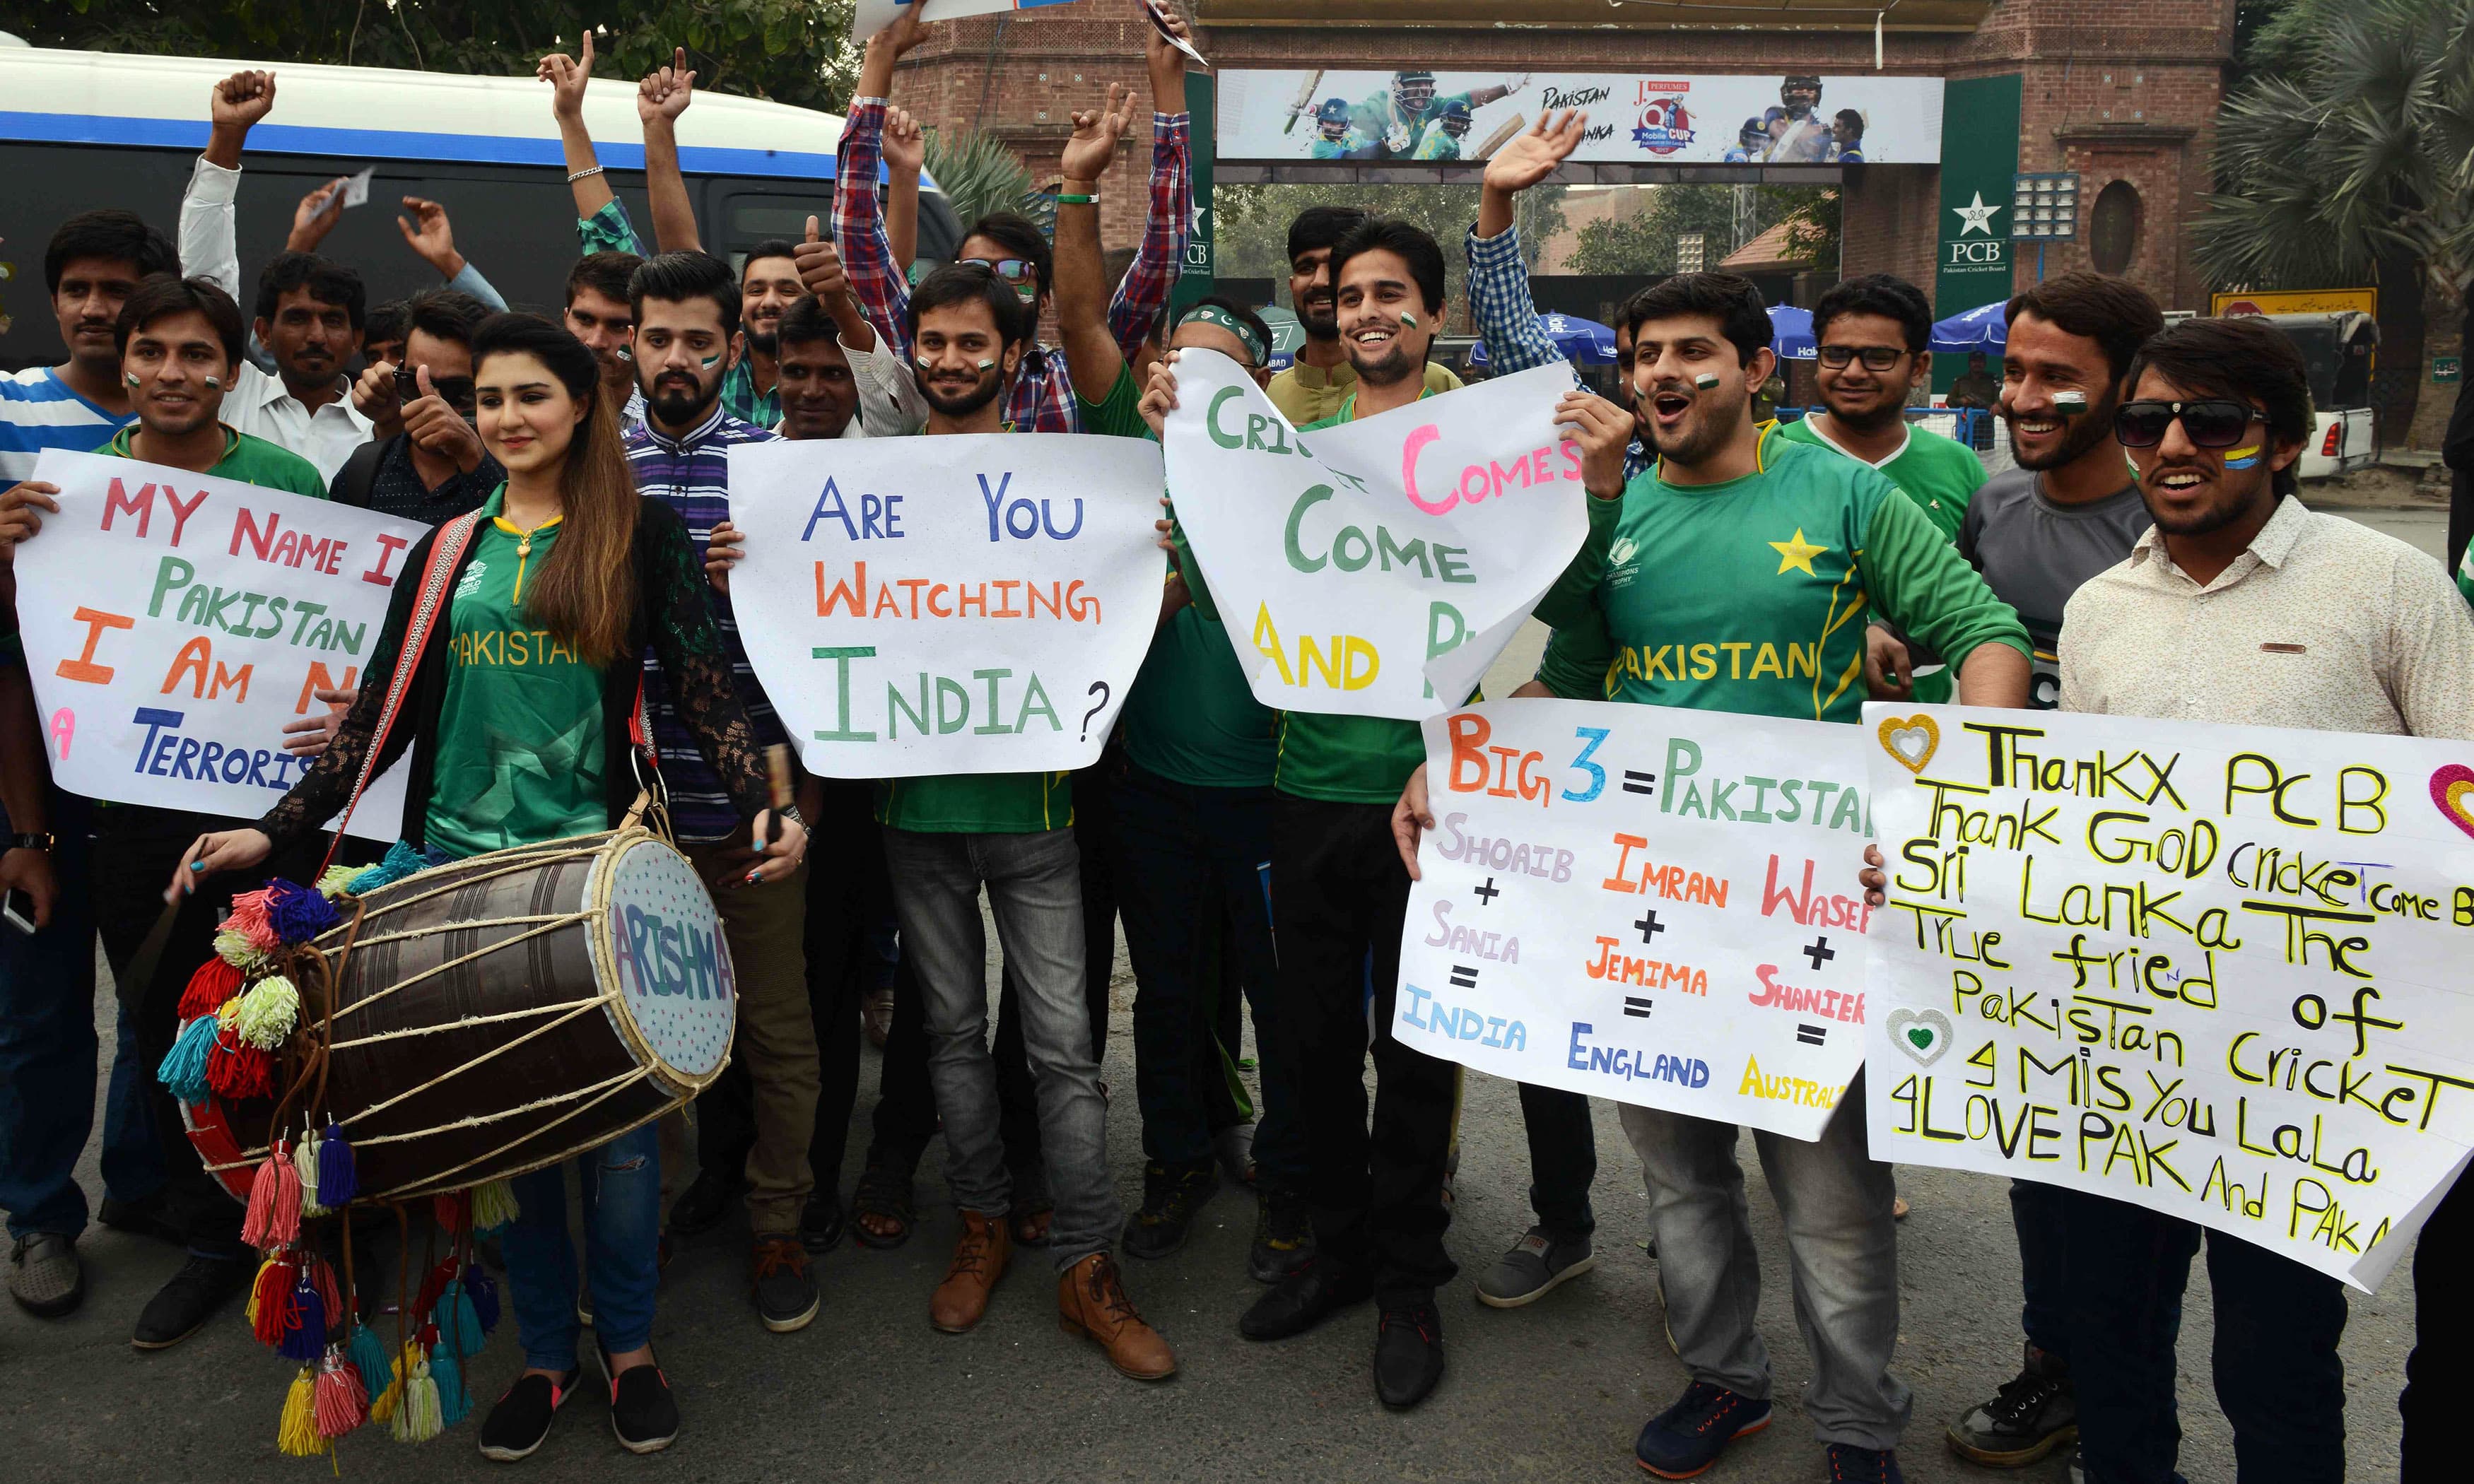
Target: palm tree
{"points": [[2349, 159], [979, 175]]}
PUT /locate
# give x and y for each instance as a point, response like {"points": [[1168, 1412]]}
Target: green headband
{"points": [[1213, 313]]}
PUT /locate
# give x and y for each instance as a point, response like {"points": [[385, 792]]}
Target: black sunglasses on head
{"points": [[1875, 357], [2217, 422]]}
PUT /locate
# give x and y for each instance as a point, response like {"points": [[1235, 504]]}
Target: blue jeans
{"points": [[47, 1057], [1033, 882], [623, 1231], [2279, 1380], [1189, 858]]}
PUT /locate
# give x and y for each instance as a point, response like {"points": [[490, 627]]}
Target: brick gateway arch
{"points": [[2122, 92]]}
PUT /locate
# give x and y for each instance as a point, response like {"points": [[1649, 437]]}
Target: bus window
{"points": [[752, 217]]}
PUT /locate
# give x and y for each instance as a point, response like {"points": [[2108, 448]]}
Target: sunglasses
{"points": [[1015, 270], [1875, 357], [455, 390], [2215, 423]]}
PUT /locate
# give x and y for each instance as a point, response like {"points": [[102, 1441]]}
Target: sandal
{"points": [[1030, 1223], [875, 1014], [883, 1196]]}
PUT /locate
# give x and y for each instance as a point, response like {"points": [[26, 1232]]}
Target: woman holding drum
{"points": [[517, 720]]}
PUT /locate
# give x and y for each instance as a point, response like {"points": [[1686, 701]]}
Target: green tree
{"points": [[790, 51], [2347, 158], [979, 174], [1645, 244], [1251, 232]]}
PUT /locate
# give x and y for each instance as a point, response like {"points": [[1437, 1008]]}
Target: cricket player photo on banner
{"points": [[1380, 571], [2217, 972], [1642, 903], [968, 604]]}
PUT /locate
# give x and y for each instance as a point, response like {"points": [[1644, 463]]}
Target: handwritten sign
{"points": [[174, 623], [963, 603], [2217, 972], [1644, 903], [1379, 572]]}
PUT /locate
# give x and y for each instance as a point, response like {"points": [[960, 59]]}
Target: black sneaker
{"points": [[181, 1307], [642, 1410], [785, 1295], [140, 1218], [822, 1220], [1170, 1196], [1283, 1236], [1689, 1436], [2034, 1413], [1408, 1353], [1302, 1300], [520, 1422], [1848, 1464], [706, 1200]]}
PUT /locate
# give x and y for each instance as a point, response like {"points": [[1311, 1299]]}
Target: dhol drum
{"points": [[502, 1013]]}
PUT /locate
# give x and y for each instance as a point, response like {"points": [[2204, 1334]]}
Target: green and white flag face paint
{"points": [[1378, 567]]}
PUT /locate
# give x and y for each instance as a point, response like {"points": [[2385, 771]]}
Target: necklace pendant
{"points": [[524, 547]]}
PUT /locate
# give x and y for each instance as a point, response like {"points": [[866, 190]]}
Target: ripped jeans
{"points": [[623, 1228]]}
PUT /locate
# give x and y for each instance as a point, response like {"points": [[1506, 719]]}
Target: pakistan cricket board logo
{"points": [[1665, 127]]}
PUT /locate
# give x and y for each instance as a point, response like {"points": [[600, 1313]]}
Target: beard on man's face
{"points": [[679, 397], [957, 399]]}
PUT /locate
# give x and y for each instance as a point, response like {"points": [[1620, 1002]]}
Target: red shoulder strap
{"points": [[445, 554]]}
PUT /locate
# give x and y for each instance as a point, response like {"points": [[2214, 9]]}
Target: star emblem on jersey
{"points": [[1797, 555], [1977, 216]]}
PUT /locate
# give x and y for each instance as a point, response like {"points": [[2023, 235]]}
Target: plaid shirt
{"points": [[1506, 318], [609, 231], [692, 474], [1042, 399]]}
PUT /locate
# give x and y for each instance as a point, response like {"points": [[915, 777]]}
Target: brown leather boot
{"points": [[1091, 1300], [961, 1301]]}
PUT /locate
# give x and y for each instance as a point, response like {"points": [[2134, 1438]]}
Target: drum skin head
{"points": [[659, 941]]}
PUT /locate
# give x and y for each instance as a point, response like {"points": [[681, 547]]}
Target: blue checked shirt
{"points": [[1506, 316], [692, 475]]}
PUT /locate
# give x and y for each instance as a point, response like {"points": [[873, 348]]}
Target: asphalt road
{"points": [[1554, 1392]]}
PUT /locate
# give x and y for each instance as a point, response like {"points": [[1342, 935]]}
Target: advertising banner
{"points": [[1379, 573], [1653, 905], [1979, 154], [1274, 116], [175, 622], [965, 603], [2216, 971]]}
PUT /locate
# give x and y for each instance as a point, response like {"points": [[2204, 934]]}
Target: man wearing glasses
{"points": [[1872, 333], [427, 463], [2238, 606]]}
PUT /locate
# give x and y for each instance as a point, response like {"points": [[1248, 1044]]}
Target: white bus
{"points": [[81, 130]]}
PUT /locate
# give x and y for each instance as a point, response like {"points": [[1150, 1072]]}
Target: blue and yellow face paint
{"points": [[2243, 457]]}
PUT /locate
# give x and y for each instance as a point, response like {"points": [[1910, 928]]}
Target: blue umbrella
{"points": [[1980, 328], [1585, 341], [1791, 333]]}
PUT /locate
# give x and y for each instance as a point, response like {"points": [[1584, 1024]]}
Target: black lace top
{"points": [[672, 621]]}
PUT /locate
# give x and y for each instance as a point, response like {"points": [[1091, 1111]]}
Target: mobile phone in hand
{"points": [[19, 909]]}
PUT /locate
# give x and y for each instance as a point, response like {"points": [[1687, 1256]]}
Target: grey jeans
{"points": [[1035, 890], [1842, 1253]]}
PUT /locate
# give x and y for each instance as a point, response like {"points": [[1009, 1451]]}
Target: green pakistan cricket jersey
{"points": [[520, 757], [1753, 595]]}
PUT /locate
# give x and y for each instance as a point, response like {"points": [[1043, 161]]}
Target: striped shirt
{"points": [[38, 411], [692, 475]]}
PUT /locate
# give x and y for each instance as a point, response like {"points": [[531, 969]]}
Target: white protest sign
{"points": [[962, 603], [1644, 903], [1379, 574], [2217, 972], [870, 16], [357, 187], [174, 622]]}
